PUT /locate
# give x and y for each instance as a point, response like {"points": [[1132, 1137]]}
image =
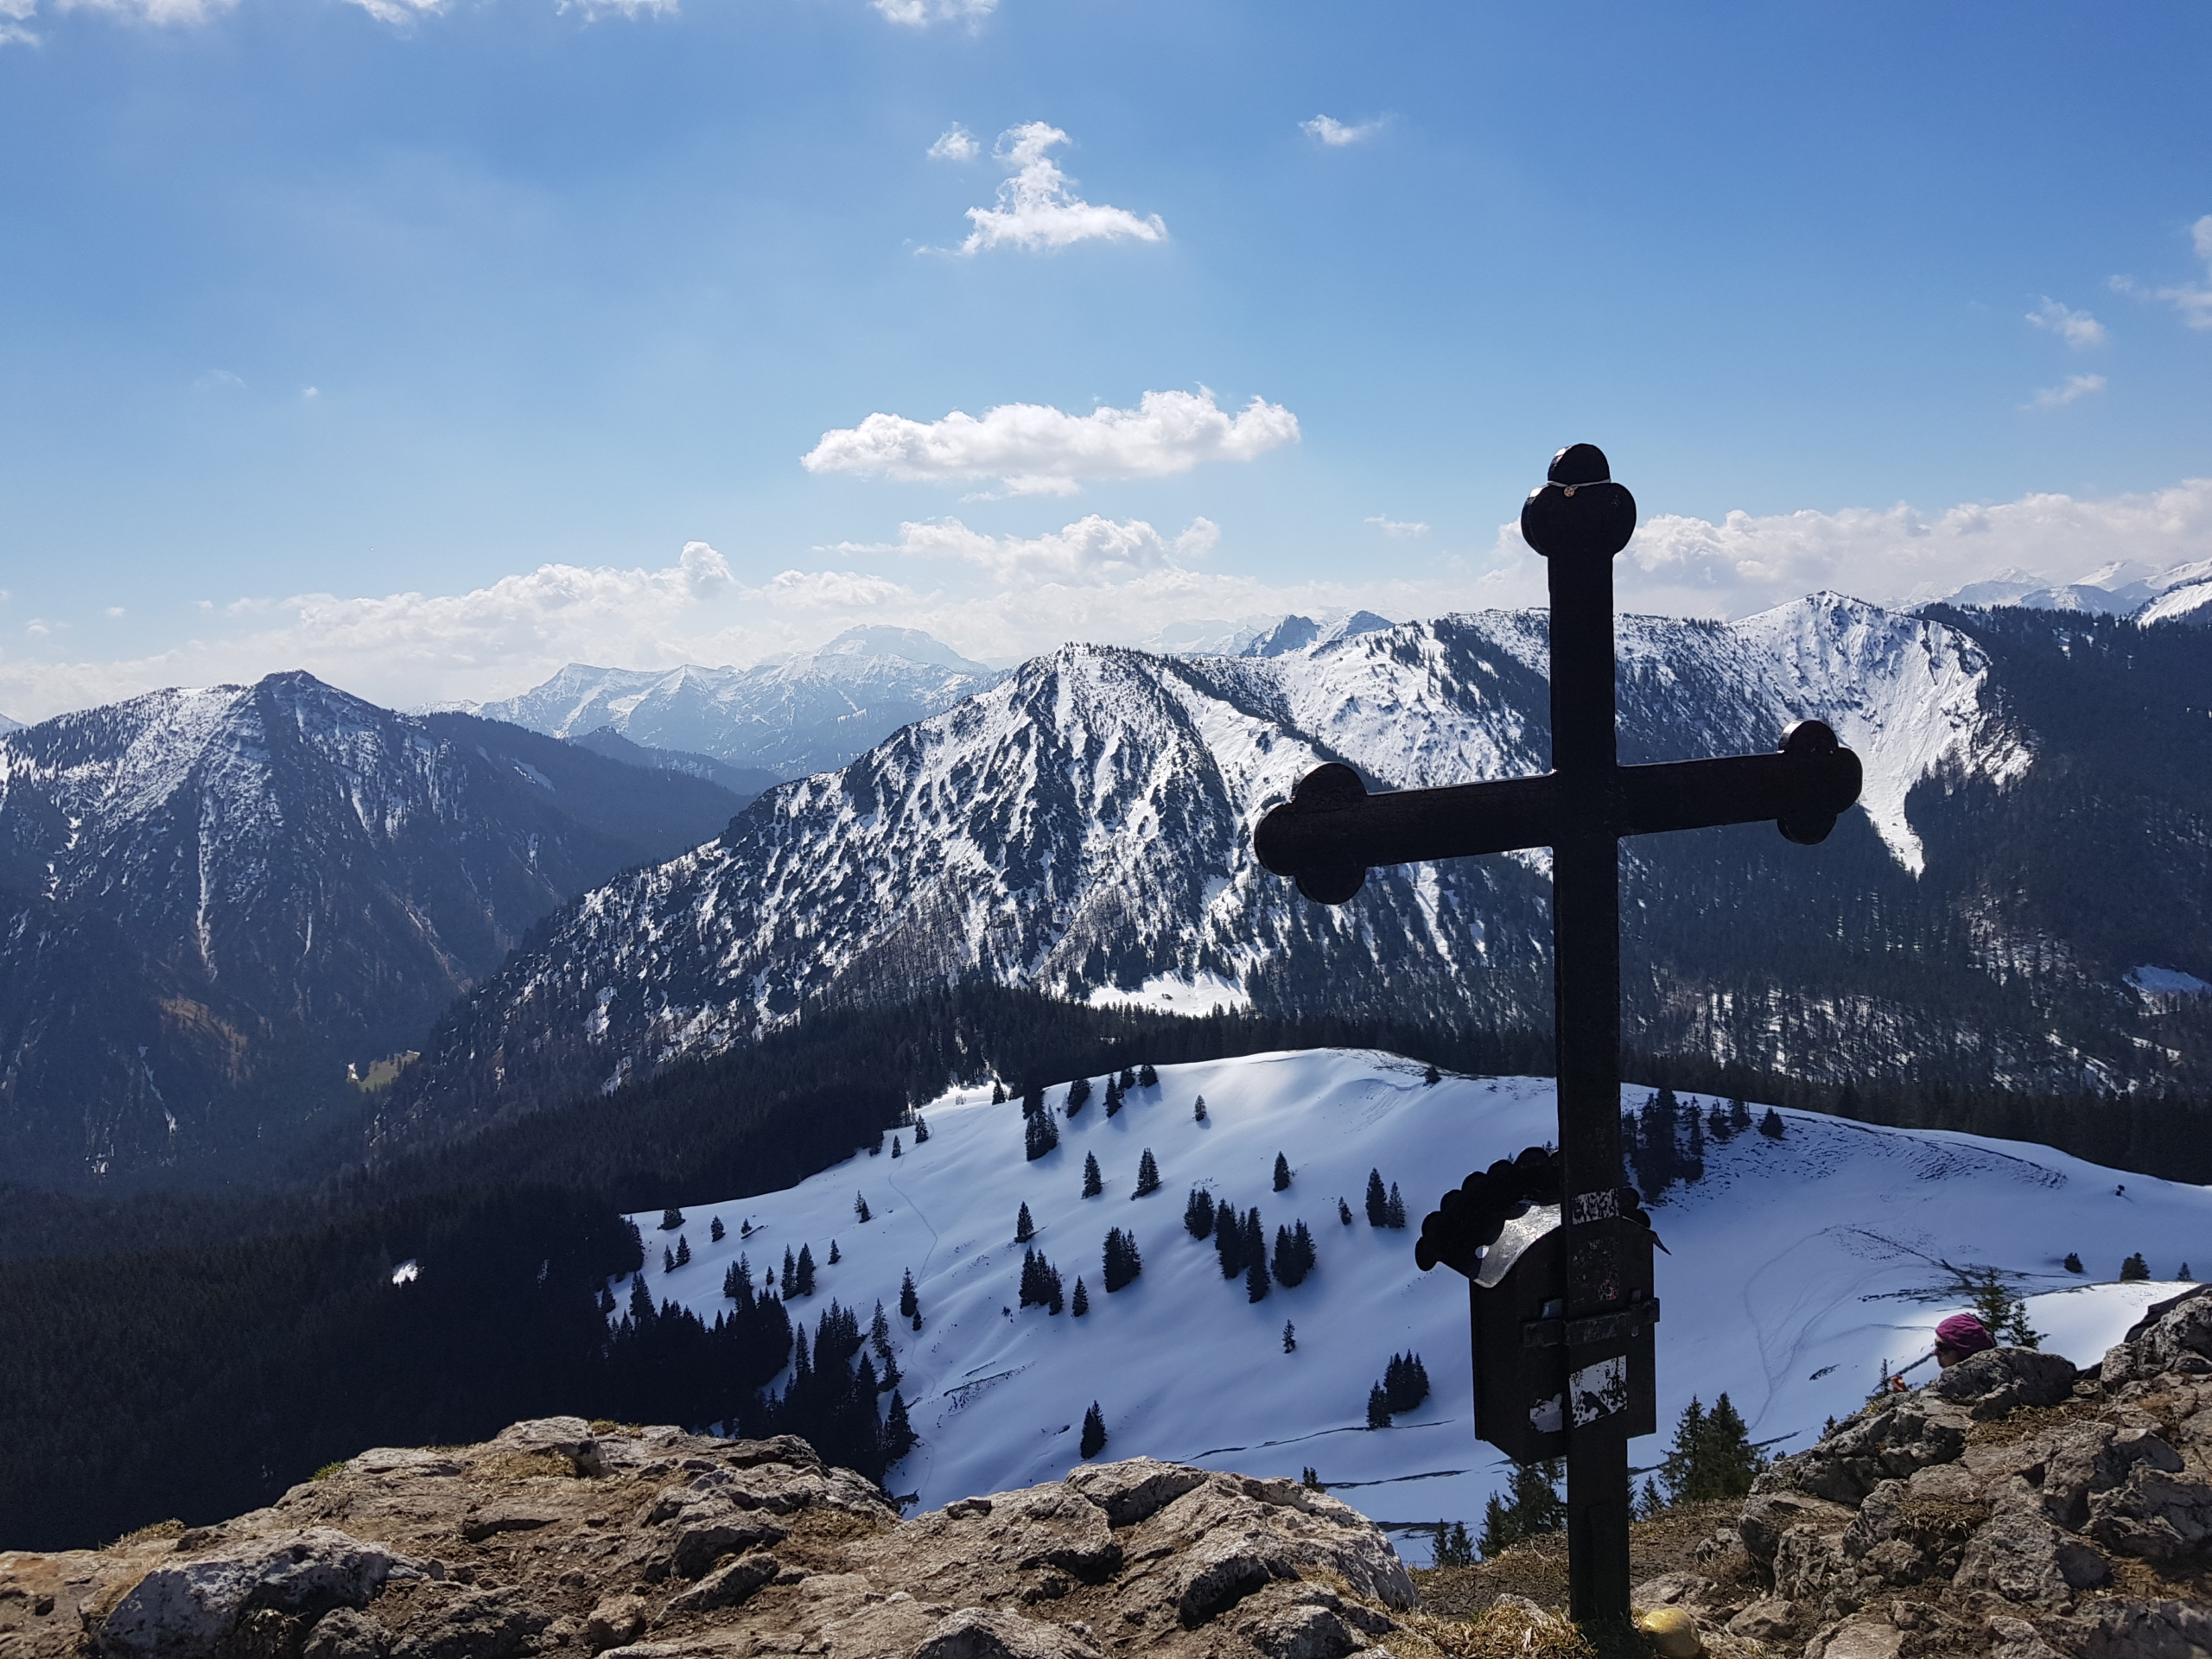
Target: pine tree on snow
{"points": [[1040, 1133], [1128, 1079], [834, 1257], [1079, 1304], [1343, 1212], [716, 1230], [1430, 1078], [898, 1435], [1289, 1338], [1146, 1077], [671, 1219], [1378, 1200], [1282, 1172], [998, 1093], [791, 1271], [1094, 1431], [1394, 1209], [1199, 1111], [1093, 1182], [1148, 1175], [806, 1270], [682, 1251], [1113, 1097], [1198, 1213], [1378, 1407], [2134, 1267], [1032, 1100], [860, 1207], [1739, 1115], [896, 1152], [1078, 1093], [1024, 1229], [1256, 1280], [922, 1127], [668, 1260], [1123, 1264], [878, 1334], [910, 1304], [1771, 1125], [1229, 1240]]}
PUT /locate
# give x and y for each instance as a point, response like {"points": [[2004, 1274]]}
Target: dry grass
{"points": [[1504, 1630], [1537, 1569]]}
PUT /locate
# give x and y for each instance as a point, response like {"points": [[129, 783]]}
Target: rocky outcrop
{"points": [[2014, 1506], [563, 1538]]}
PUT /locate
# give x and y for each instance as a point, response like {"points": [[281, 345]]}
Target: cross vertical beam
{"points": [[1332, 831]]}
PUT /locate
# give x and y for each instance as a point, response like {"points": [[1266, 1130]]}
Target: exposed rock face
{"points": [[654, 1544], [2014, 1507]]}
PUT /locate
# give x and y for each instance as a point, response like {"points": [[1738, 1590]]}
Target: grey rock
{"points": [[988, 1633], [569, 1438], [2019, 1555], [1767, 1515], [1671, 1590], [2000, 1380], [343, 1633], [728, 1586], [2164, 1518], [1771, 1618], [614, 1621], [1862, 1635], [185, 1611], [404, 1461], [2138, 1630], [473, 1623], [1223, 1575], [1135, 1488], [1301, 1632]]}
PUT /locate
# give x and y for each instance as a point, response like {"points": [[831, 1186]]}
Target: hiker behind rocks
{"points": [[1956, 1338]]}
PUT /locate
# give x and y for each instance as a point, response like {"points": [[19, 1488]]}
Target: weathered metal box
{"points": [[1527, 1394]]}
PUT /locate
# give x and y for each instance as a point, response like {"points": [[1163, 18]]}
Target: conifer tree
{"points": [[1771, 1125], [1148, 1175], [806, 1270], [1078, 1094], [668, 1260], [1534, 1509], [1040, 1133], [1716, 1124], [910, 1304], [998, 1093], [1079, 1304], [1405, 1383], [1711, 1456], [2134, 1267], [1199, 1111], [1093, 1182], [834, 1257], [1454, 1547], [1024, 1229], [1282, 1172], [790, 1279], [716, 1230], [878, 1334], [2073, 1263], [1123, 1264], [860, 1207], [1430, 1078], [1128, 1079], [1198, 1213], [1394, 1209], [1343, 1212], [1147, 1077], [1257, 1283], [896, 1150], [922, 1127], [1032, 1100], [671, 1219], [1739, 1115], [2003, 1314], [682, 1251], [2183, 1273], [1378, 1407], [745, 1228], [1094, 1431], [898, 1433], [1113, 1097], [1378, 1200], [1229, 1240]]}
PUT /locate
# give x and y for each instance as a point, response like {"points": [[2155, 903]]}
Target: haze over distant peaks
{"points": [[2126, 588]]}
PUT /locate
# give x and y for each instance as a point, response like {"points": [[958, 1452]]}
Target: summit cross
{"points": [[1332, 831]]}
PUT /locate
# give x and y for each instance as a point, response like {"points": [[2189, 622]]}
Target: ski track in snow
{"points": [[1798, 1267]]}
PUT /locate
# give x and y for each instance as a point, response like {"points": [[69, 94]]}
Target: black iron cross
{"points": [[1332, 831]]}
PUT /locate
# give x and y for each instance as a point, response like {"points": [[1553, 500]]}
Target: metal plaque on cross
{"points": [[1563, 1325]]}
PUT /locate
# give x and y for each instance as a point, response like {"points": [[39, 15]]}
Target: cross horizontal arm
{"points": [[1332, 831]]}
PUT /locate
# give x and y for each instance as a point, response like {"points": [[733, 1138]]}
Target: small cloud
{"points": [[14, 15], [920, 14], [2077, 386], [1390, 526], [2078, 329], [400, 13], [595, 10], [1035, 450], [2195, 303], [218, 380], [1092, 550], [310, 393], [1337, 134], [956, 143], [1037, 209], [155, 11], [112, 611]]}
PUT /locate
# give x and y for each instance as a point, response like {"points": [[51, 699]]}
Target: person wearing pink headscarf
{"points": [[1959, 1336]]}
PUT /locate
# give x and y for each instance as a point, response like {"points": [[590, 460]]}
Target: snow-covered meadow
{"points": [[1798, 1267]]}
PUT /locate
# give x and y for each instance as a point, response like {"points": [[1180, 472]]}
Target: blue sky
{"points": [[1921, 293]]}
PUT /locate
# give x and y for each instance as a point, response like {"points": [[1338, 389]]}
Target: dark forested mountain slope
{"points": [[212, 901], [1084, 827]]}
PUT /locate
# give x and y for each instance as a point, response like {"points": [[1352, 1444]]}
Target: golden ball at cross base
{"points": [[1670, 1633]]}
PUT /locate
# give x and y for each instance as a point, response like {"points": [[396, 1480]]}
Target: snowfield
{"points": [[1798, 1267]]}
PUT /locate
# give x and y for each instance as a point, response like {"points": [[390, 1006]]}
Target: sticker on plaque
{"points": [[1598, 1390], [1547, 1416]]}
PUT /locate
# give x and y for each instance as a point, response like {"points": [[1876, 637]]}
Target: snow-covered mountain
{"points": [[1083, 827], [789, 716], [2128, 588], [214, 899], [1799, 1267]]}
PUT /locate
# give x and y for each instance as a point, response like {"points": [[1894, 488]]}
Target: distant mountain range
{"points": [[216, 900], [787, 717], [2029, 841], [2128, 588]]}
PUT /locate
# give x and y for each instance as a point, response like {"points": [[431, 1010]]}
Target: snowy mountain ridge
{"points": [[1800, 1269], [1083, 825], [790, 715]]}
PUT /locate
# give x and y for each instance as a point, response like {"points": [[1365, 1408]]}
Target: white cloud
{"points": [[2195, 303], [1683, 566], [2078, 329], [1336, 134], [956, 143], [218, 380], [1039, 450], [1037, 209], [1390, 526], [154, 11], [595, 9], [1091, 550], [399, 13], [920, 14], [2077, 386], [14, 15], [310, 393]]}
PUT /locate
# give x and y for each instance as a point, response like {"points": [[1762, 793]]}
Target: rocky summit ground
{"points": [[2015, 1507]]}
